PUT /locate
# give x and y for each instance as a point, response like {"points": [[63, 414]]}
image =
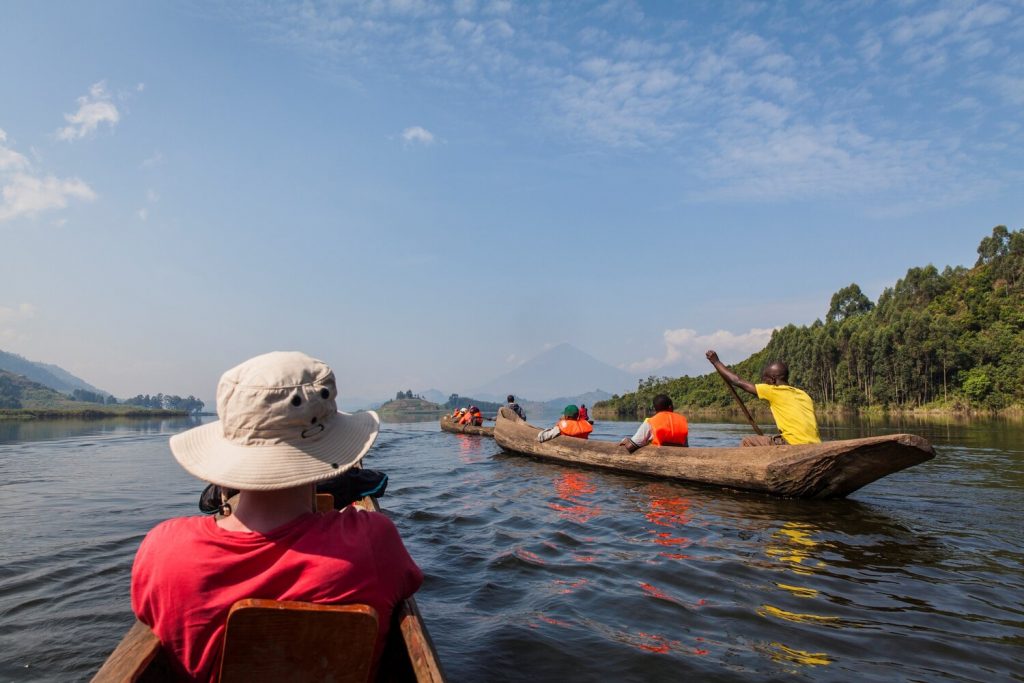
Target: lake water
{"points": [[536, 572]]}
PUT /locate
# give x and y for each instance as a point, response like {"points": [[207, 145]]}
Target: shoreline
{"points": [[29, 414], [763, 414]]}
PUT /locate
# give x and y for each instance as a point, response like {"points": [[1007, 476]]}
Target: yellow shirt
{"points": [[793, 411]]}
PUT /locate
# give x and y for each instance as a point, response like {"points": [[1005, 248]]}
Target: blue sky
{"points": [[425, 194]]}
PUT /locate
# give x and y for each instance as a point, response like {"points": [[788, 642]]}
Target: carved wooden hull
{"points": [[832, 469], [449, 425], [409, 655]]}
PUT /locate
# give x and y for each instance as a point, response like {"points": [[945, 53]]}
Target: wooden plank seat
{"points": [[270, 641]]}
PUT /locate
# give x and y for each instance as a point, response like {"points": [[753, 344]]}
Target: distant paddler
{"points": [[665, 428], [792, 408], [569, 425]]}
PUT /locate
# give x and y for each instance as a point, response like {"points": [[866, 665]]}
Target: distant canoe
{"points": [[449, 425], [832, 469]]}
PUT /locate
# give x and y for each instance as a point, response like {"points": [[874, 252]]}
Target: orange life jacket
{"points": [[579, 428], [476, 418], [464, 420], [669, 429]]}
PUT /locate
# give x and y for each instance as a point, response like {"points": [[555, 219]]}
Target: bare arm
{"points": [[729, 375]]}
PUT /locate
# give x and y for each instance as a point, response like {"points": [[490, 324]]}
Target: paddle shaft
{"points": [[743, 406]]}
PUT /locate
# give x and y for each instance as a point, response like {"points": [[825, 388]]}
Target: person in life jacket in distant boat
{"points": [[792, 408], [584, 415], [473, 417], [569, 425], [665, 428]]}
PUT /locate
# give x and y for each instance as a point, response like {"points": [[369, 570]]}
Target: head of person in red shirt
{"points": [[279, 432]]}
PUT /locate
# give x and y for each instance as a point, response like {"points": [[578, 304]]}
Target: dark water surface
{"points": [[536, 572]]}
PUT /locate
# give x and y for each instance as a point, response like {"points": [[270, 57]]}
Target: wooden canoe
{"points": [[409, 655], [832, 469], [450, 425]]}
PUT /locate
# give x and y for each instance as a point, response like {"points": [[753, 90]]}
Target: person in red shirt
{"points": [[278, 434]]}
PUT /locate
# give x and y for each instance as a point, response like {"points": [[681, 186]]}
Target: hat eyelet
{"points": [[325, 393], [296, 400], [313, 421]]}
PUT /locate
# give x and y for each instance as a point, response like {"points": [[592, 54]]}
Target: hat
{"points": [[571, 411], [279, 427]]}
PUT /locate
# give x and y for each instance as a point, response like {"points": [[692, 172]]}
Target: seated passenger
{"points": [[665, 428], [476, 418], [569, 425], [278, 434], [515, 407]]}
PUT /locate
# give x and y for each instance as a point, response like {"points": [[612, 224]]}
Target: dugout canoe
{"points": [[449, 425], [409, 655], [832, 469]]}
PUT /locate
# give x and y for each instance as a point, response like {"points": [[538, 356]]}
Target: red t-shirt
{"points": [[188, 572]]}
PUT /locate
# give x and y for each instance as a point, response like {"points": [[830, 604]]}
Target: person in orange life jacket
{"points": [[792, 408], [665, 428], [459, 415], [584, 415], [476, 418], [569, 425]]}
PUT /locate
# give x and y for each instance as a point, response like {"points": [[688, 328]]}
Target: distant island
{"points": [[949, 341], [407, 407]]}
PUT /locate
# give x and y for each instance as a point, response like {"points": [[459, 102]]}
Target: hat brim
{"points": [[205, 453]]}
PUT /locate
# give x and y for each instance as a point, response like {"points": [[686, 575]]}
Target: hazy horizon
{"points": [[426, 194]]}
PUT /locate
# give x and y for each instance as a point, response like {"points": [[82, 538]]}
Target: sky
{"points": [[426, 194]]}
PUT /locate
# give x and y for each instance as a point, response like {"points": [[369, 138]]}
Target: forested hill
{"points": [[946, 339]]}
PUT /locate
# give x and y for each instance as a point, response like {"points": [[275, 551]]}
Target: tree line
{"points": [[189, 404], [952, 339]]}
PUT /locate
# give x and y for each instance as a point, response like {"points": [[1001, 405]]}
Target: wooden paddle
{"points": [[743, 406]]}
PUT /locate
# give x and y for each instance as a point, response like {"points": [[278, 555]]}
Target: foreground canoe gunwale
{"points": [[449, 425], [828, 470], [139, 656]]}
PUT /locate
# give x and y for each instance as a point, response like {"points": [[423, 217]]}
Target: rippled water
{"points": [[537, 572]]}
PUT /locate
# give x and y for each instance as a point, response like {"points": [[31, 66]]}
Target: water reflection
{"points": [[16, 431]]}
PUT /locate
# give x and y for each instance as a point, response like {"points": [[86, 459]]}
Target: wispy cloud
{"points": [[11, 317], [23, 192], [94, 109], [751, 103], [685, 348], [418, 135]]}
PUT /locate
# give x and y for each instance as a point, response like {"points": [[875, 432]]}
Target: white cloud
{"points": [[152, 196], [9, 159], [24, 192], [155, 160], [10, 314], [143, 214], [11, 318], [418, 134], [93, 109], [685, 348], [28, 195]]}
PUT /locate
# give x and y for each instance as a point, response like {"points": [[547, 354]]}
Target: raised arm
{"points": [[729, 375]]}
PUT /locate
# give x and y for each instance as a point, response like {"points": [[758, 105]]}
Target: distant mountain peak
{"points": [[562, 370]]}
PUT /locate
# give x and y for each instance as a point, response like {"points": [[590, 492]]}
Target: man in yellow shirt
{"points": [[792, 408]]}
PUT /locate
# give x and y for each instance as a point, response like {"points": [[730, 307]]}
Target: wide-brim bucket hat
{"points": [[279, 426]]}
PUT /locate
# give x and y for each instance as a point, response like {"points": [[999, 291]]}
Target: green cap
{"points": [[571, 411]]}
